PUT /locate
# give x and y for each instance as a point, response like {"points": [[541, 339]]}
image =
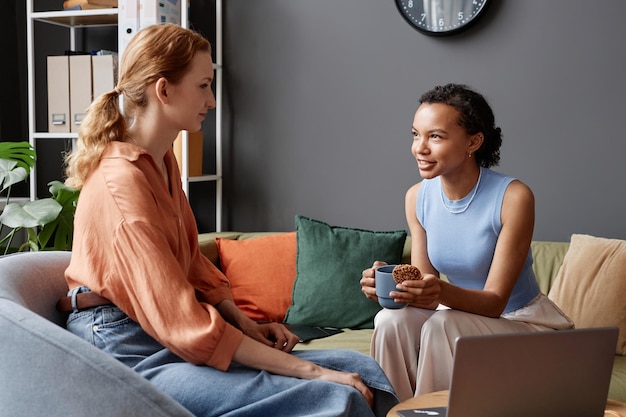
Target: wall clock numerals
{"points": [[441, 17]]}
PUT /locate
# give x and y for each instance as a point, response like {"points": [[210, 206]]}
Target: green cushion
{"points": [[329, 264]]}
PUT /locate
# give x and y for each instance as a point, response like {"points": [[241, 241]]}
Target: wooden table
{"points": [[440, 399], [434, 399]]}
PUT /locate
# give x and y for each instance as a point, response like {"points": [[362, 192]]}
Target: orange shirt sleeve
{"points": [[136, 244], [150, 286]]}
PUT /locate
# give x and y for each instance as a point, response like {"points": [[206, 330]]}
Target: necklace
{"points": [[460, 209]]}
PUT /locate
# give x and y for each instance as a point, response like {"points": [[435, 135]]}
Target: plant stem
{"points": [[9, 237]]}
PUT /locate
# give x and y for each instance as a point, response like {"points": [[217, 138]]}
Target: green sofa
{"points": [[548, 257]]}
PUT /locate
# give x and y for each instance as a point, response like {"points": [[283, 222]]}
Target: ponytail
{"points": [[103, 123]]}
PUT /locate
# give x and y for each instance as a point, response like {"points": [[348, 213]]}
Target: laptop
{"points": [[542, 374]]}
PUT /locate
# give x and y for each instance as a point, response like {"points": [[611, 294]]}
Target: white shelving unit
{"points": [[72, 20], [80, 19], [217, 177]]}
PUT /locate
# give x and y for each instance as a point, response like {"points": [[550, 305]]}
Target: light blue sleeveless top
{"points": [[462, 234]]}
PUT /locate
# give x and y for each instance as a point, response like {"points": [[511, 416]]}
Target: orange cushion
{"points": [[261, 272]]}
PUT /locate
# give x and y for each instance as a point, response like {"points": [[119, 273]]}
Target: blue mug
{"points": [[384, 285]]}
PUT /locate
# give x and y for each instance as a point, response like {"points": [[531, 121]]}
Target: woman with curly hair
{"points": [[472, 225]]}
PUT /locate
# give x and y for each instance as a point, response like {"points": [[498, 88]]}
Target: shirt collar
{"points": [[129, 151]]}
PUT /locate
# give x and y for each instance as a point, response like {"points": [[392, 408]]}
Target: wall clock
{"points": [[441, 17]]}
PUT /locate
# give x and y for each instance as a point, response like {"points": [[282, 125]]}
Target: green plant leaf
{"points": [[11, 173], [21, 152], [63, 194], [31, 214], [62, 227], [45, 220]]}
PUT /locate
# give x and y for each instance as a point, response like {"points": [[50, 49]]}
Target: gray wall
{"points": [[321, 96]]}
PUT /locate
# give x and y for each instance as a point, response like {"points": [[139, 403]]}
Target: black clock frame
{"points": [[442, 33]]}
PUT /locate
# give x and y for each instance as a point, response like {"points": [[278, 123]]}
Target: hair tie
{"points": [[118, 90]]}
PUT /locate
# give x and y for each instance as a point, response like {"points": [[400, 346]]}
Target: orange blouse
{"points": [[136, 244]]}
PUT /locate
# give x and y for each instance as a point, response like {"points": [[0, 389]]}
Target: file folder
{"points": [[104, 74], [136, 14], [58, 94], [80, 89]]}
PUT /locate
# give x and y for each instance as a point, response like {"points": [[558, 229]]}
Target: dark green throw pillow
{"points": [[329, 264]]}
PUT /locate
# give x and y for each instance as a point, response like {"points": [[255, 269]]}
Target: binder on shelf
{"points": [[194, 153], [152, 12], [58, 74], [136, 14], [80, 89], [104, 74]]}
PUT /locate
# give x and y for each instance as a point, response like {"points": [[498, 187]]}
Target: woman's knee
{"points": [[386, 318], [443, 326], [408, 317]]}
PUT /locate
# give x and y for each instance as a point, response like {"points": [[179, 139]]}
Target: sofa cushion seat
{"points": [[355, 339], [548, 258]]}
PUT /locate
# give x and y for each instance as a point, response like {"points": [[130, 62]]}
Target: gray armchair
{"points": [[47, 371]]}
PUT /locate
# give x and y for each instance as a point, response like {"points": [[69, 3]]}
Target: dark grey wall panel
{"points": [[322, 93]]}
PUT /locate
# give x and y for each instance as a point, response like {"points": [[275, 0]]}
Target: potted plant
{"points": [[48, 222]]}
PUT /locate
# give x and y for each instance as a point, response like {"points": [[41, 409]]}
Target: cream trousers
{"points": [[415, 347]]}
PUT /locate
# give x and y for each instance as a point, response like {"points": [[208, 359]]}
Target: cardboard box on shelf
{"points": [[68, 4]]}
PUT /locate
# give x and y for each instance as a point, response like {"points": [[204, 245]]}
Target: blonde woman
{"points": [[139, 286]]}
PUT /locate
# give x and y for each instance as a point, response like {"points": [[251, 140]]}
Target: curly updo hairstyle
{"points": [[475, 115]]}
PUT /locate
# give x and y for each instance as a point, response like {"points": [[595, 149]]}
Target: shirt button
{"points": [[95, 328]]}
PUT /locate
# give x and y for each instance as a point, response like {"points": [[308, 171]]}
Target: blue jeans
{"points": [[239, 391]]}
